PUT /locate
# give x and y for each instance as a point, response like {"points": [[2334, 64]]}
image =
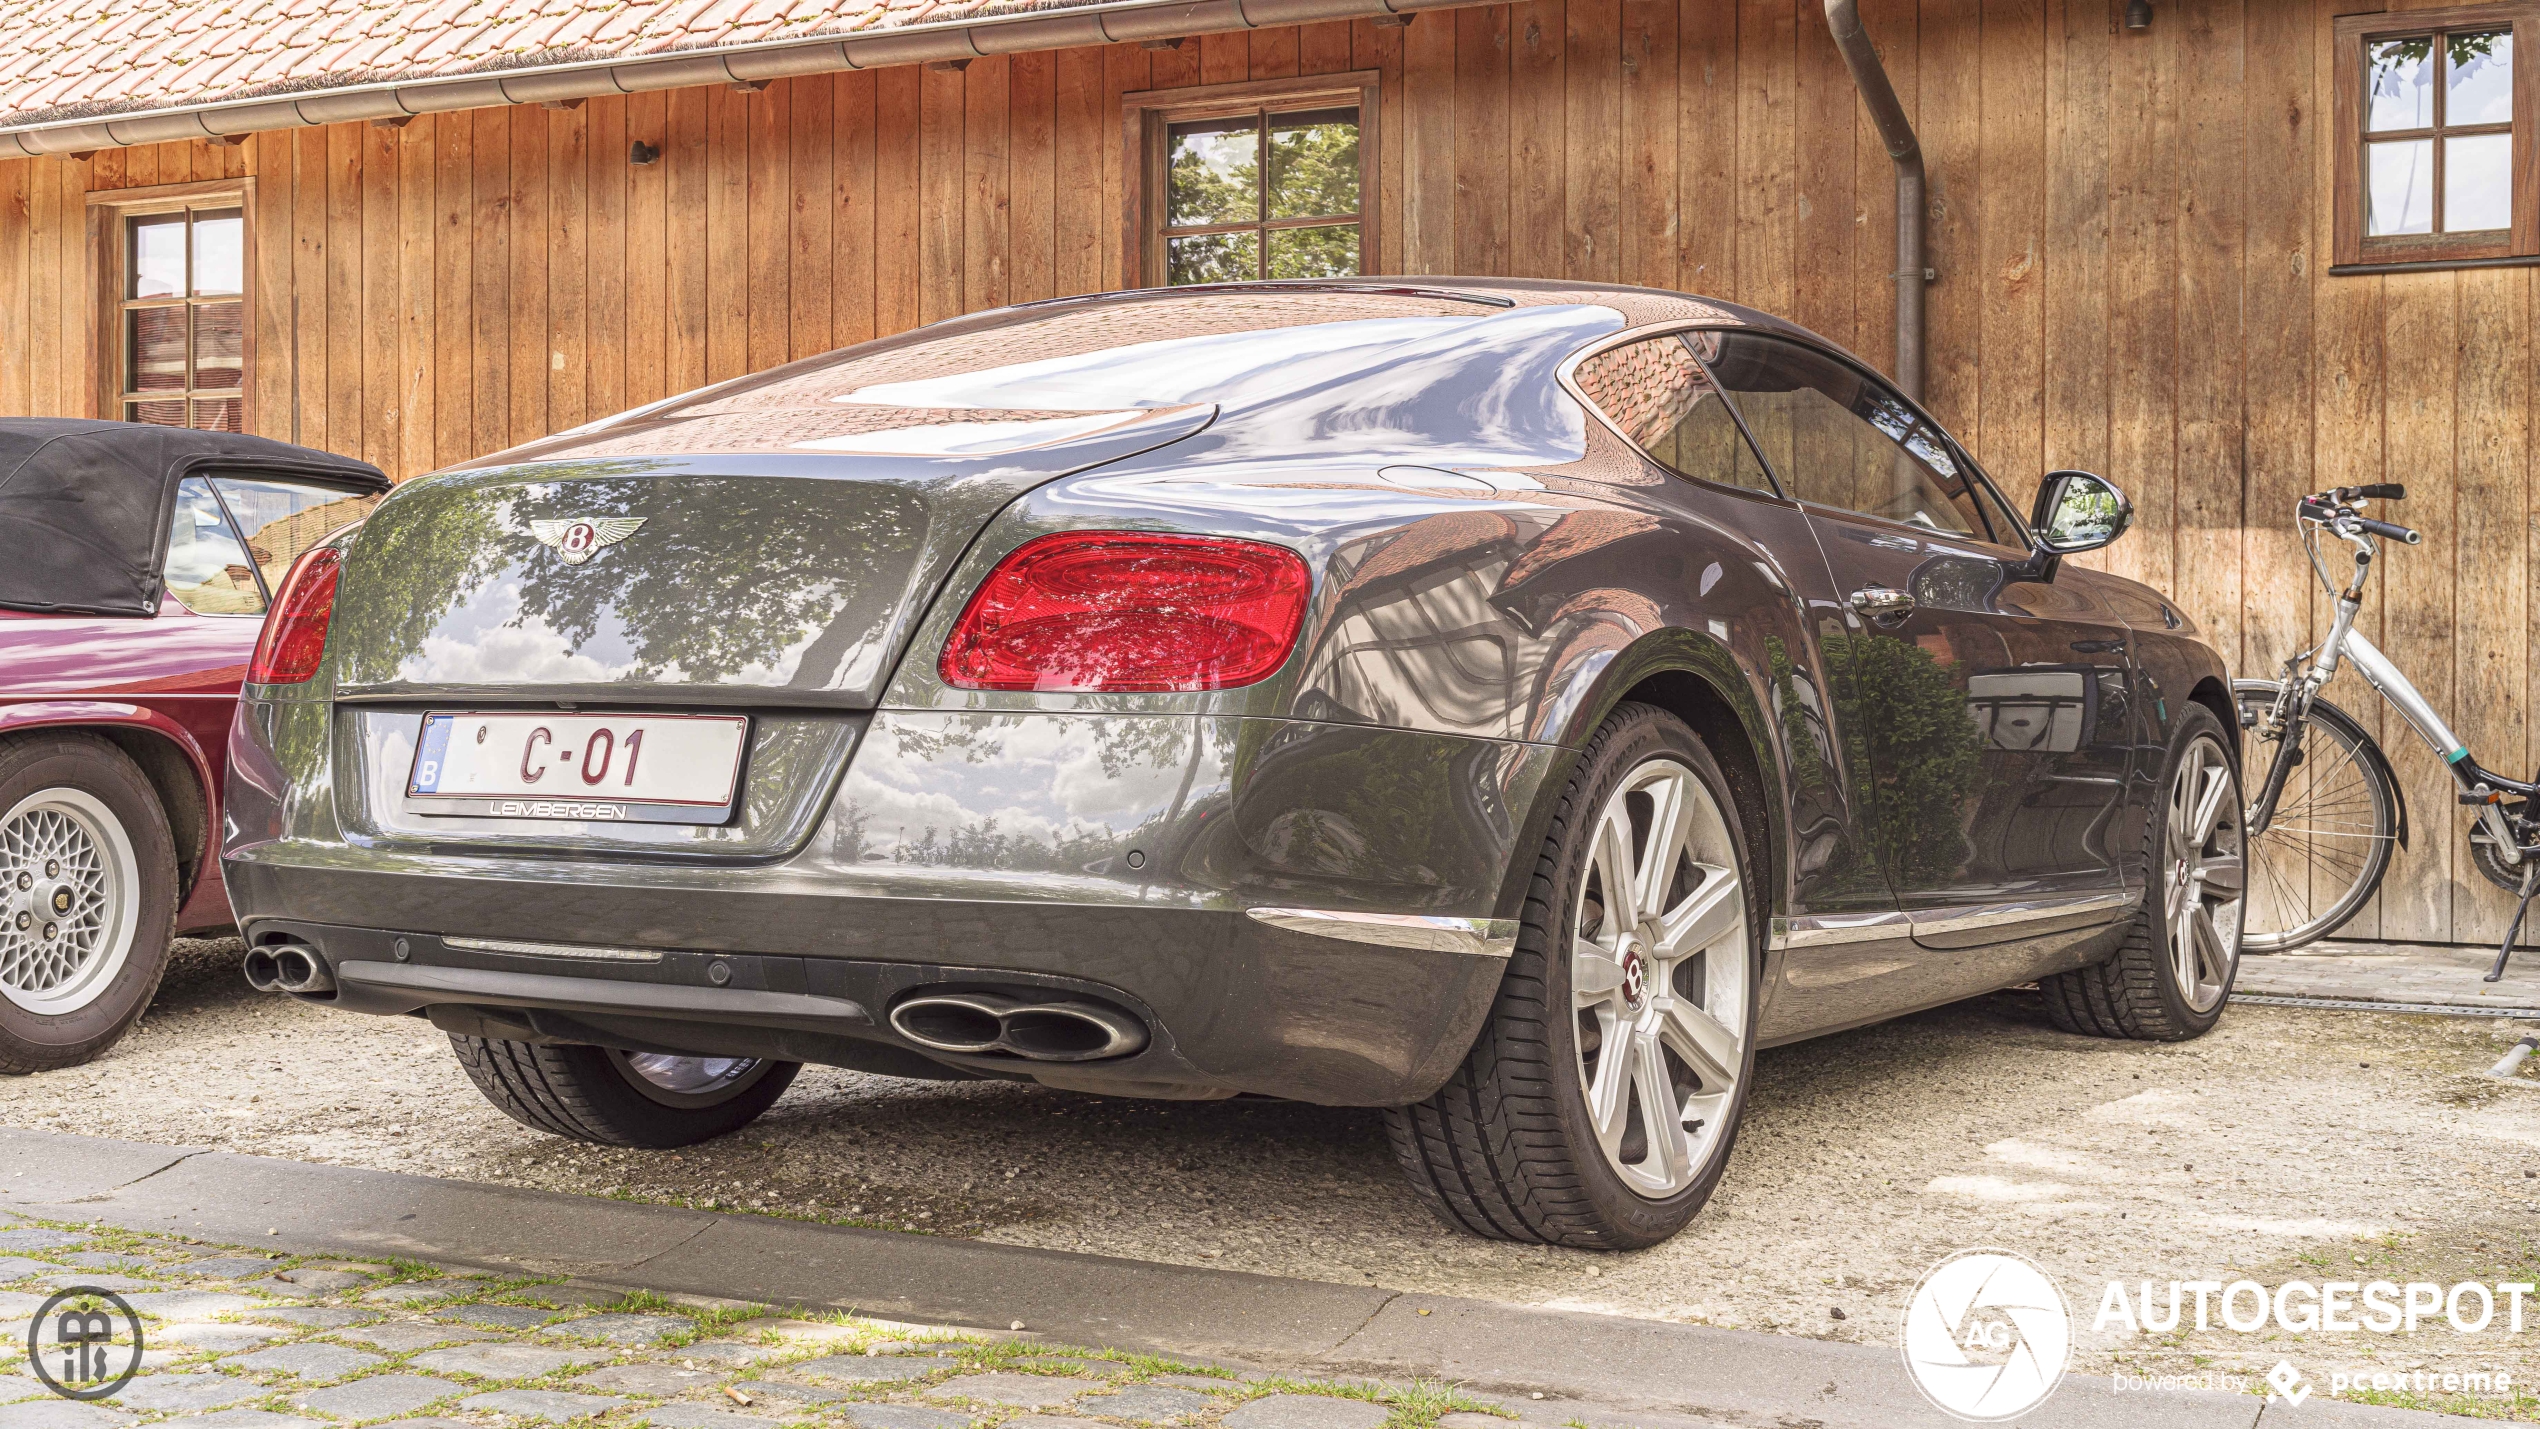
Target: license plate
{"points": [[662, 769]]}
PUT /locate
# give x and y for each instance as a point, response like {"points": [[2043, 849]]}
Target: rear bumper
{"points": [[1138, 860], [1232, 1003]]}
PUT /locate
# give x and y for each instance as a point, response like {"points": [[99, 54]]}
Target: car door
{"points": [[1993, 706], [1843, 942]]}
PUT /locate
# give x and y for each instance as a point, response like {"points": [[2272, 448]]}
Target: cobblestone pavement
{"points": [[2395, 972], [239, 1339]]}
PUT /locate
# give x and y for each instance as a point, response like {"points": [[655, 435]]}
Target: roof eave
{"points": [[749, 63]]}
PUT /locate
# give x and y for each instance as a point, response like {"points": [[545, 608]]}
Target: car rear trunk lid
{"points": [[754, 577]]}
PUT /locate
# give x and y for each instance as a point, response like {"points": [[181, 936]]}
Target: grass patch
{"points": [[1417, 1405]]}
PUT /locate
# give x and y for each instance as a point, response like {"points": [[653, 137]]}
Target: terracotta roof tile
{"points": [[74, 60], [51, 92], [580, 27]]}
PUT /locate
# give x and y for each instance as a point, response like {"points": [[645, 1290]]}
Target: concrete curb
{"points": [[1611, 1364]]}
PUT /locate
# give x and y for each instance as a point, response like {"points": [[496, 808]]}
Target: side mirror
{"points": [[2079, 511]]}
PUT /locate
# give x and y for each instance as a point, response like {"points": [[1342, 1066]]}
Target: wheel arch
{"points": [[2210, 693], [1700, 682], [179, 772]]}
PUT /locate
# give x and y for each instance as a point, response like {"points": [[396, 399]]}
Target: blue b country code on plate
{"points": [[430, 751]]}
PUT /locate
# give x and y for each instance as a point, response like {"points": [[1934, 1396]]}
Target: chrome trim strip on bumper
{"points": [[1473, 937], [366, 986], [580, 951]]}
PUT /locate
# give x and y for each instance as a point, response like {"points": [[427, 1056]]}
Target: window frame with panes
{"points": [[136, 290], [1155, 122], [2386, 115]]}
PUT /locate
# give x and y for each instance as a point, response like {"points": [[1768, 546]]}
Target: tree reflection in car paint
{"points": [[719, 540], [1909, 734]]}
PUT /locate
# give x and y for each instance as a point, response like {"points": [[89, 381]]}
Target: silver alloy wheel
{"points": [[69, 879], [1658, 977], [687, 1081], [2203, 886]]}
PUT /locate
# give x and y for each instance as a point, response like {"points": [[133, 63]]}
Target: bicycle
{"points": [[2320, 832]]}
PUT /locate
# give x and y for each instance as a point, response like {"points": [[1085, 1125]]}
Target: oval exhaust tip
{"points": [[1070, 1032], [261, 973], [979, 1023], [950, 1023], [298, 969]]}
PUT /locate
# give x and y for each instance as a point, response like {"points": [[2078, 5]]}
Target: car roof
{"points": [[1036, 366]]}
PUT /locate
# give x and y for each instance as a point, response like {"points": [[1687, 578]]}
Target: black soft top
{"points": [[84, 505]]}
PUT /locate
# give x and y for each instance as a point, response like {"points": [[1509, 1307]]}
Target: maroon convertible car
{"points": [[140, 563]]}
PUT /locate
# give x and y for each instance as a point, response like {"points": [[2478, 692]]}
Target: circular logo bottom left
{"points": [[80, 1349]]}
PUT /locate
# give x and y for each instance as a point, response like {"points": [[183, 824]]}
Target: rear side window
{"points": [[279, 520], [1838, 437], [1657, 395], [208, 568]]}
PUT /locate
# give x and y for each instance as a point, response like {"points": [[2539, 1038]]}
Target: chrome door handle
{"points": [[1878, 602]]}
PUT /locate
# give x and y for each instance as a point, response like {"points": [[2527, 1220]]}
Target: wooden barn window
{"points": [[178, 341], [1235, 183], [2435, 123]]}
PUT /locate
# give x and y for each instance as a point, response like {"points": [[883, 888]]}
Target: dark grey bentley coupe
{"points": [[1506, 703]]}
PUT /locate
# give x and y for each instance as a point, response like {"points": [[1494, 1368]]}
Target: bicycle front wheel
{"points": [[2324, 852]]}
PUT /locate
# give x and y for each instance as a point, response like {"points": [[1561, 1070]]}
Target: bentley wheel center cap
{"points": [[1635, 975]]}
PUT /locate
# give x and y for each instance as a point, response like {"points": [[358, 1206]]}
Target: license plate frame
{"points": [[585, 799]]}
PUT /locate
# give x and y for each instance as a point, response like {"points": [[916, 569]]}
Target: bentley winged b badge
{"points": [[580, 539]]}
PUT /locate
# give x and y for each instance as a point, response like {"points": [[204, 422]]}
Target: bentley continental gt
{"points": [[1509, 704]]}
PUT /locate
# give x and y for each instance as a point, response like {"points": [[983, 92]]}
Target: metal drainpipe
{"points": [[1843, 17]]}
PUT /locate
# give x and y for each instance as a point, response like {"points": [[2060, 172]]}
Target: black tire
{"points": [[2139, 993], [1506, 1149], [593, 1094], [115, 802]]}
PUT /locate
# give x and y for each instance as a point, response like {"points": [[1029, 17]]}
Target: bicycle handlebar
{"points": [[2331, 508]]}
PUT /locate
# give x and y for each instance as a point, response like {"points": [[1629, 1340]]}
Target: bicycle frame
{"points": [[2477, 784]]}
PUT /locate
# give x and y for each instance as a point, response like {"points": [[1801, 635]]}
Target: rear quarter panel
{"points": [[164, 688]]}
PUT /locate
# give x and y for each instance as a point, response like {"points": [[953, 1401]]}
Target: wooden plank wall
{"points": [[2131, 231]]}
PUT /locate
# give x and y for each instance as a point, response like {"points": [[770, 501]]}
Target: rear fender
{"points": [[1618, 672], [165, 752]]}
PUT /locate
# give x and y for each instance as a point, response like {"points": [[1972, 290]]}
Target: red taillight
{"points": [[294, 638], [1124, 610]]}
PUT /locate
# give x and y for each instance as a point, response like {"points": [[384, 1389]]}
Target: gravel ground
{"points": [[2288, 1144]]}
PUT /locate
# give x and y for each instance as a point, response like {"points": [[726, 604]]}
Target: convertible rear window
{"points": [[208, 567]]}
